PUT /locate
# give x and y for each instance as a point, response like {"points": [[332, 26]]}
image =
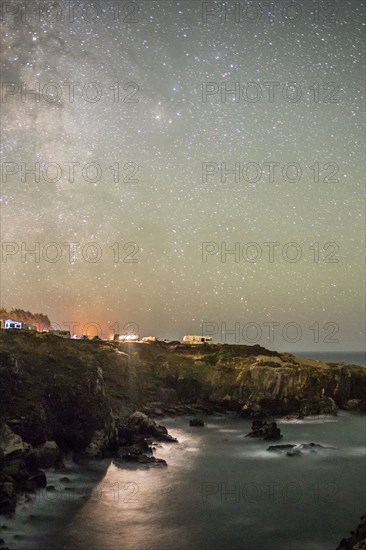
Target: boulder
{"points": [[140, 458], [10, 442], [261, 429], [273, 433], [132, 449], [325, 405], [294, 452], [353, 405], [65, 479], [281, 448], [297, 450], [141, 425], [135, 435]]}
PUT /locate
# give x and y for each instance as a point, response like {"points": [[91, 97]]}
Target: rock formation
{"points": [[93, 399], [357, 540], [297, 450], [20, 465], [265, 431]]}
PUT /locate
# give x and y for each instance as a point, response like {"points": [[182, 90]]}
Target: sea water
{"points": [[219, 491], [349, 357]]}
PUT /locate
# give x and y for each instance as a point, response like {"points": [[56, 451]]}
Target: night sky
{"points": [[144, 90]]}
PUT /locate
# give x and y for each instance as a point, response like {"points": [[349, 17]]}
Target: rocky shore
{"points": [[266, 431], [23, 466], [91, 400], [357, 540]]}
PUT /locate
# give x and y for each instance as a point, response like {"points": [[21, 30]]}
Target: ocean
{"points": [[219, 491], [349, 357]]}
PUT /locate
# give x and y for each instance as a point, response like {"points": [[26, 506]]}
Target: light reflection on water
{"points": [[123, 508], [231, 493], [222, 490]]}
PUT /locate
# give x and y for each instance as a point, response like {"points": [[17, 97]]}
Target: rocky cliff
{"points": [[62, 396]]}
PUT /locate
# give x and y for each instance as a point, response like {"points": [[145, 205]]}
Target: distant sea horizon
{"points": [[350, 357]]}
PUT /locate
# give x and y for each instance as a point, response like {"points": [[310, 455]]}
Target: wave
{"points": [[318, 419]]}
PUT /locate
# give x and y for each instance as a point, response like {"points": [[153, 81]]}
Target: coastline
{"points": [[96, 401]]}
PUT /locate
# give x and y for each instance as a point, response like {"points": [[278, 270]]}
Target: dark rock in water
{"points": [[196, 422], [280, 448], [143, 459], [357, 540], [274, 434], [134, 457], [135, 436], [140, 425], [313, 445], [296, 450], [131, 450], [325, 405], [65, 479], [261, 429], [353, 405]]}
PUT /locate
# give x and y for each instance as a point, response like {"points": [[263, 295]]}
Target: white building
{"points": [[9, 323], [129, 338], [197, 339], [19, 325]]}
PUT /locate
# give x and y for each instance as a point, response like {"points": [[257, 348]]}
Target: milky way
{"points": [[136, 122]]}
